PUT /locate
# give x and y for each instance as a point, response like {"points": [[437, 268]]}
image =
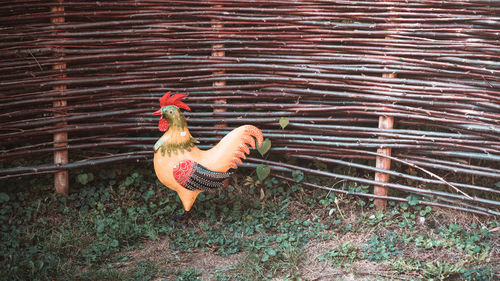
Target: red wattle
{"points": [[163, 124]]}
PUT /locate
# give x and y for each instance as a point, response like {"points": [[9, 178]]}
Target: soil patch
{"points": [[160, 253]]}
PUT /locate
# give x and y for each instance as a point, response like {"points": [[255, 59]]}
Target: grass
{"points": [[121, 224]]}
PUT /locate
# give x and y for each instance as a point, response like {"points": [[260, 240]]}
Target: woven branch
{"points": [[319, 63]]}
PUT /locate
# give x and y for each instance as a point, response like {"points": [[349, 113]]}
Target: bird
{"points": [[184, 168]]}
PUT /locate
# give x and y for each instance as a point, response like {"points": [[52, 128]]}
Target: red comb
{"points": [[174, 100]]}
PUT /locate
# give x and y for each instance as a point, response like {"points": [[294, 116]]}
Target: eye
{"points": [[170, 111]]}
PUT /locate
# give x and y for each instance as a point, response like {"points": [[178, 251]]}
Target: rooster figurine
{"points": [[184, 168]]}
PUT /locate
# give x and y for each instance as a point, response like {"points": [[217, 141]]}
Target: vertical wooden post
{"points": [[61, 138], [218, 52], [384, 122]]}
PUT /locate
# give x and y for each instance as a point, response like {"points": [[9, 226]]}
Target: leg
{"points": [[186, 217]]}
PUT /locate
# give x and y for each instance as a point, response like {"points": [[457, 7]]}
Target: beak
{"points": [[158, 112]]}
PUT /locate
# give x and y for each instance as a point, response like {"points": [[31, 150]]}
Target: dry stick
{"points": [[386, 156], [485, 212], [288, 167], [61, 138], [46, 169], [449, 163]]}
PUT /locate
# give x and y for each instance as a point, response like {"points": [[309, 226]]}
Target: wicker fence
{"points": [[415, 83]]}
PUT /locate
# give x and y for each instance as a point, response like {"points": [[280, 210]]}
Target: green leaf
{"points": [[264, 148], [412, 200], [265, 258], [297, 175], [284, 122], [100, 227], [4, 197], [83, 178], [271, 252], [128, 181], [148, 194], [263, 171]]}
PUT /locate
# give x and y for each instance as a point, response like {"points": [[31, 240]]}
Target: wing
{"points": [[193, 176]]}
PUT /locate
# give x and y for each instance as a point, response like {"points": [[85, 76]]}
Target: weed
{"points": [[86, 235], [188, 275], [438, 270], [105, 274], [478, 273], [441, 270], [471, 242], [345, 254], [404, 265], [382, 248]]}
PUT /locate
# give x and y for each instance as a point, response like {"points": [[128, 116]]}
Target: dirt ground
{"points": [[314, 269], [208, 263]]}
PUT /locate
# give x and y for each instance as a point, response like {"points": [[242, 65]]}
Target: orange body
{"points": [[225, 155]]}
